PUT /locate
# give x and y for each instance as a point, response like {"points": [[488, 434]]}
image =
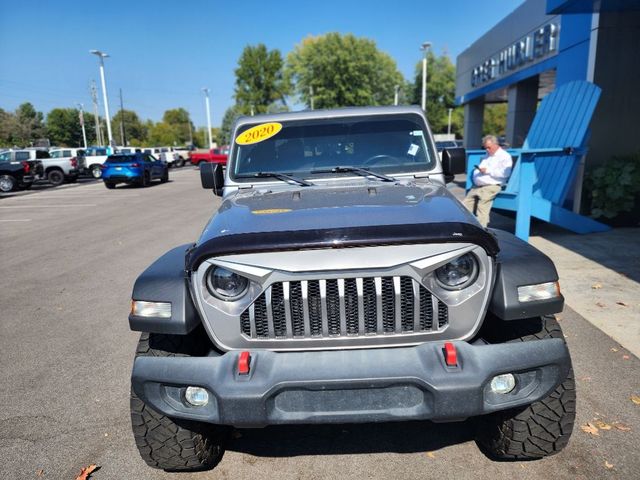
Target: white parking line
{"points": [[17, 220], [51, 206]]}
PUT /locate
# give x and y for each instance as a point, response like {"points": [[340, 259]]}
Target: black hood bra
{"points": [[344, 217]]}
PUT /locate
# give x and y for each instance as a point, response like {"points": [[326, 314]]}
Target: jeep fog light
{"points": [[196, 396], [541, 291], [503, 383], [150, 309]]}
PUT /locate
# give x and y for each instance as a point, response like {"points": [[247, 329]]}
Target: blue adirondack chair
{"points": [[547, 163]]}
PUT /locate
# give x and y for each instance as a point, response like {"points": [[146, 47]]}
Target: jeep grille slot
{"points": [[343, 307]]}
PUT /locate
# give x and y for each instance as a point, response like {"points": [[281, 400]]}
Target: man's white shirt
{"points": [[498, 168]]}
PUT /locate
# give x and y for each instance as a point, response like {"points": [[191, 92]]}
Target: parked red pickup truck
{"points": [[215, 155]]}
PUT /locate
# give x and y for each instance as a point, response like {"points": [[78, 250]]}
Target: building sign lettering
{"points": [[534, 46]]}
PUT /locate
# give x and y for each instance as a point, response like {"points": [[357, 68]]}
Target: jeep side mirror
{"points": [[454, 161], [212, 177]]}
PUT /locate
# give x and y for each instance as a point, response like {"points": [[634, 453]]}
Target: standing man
{"points": [[488, 177]]}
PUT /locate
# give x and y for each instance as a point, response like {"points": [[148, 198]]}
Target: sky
{"points": [[162, 53]]}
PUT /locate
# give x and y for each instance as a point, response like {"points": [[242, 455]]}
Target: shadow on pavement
{"points": [[401, 437]]}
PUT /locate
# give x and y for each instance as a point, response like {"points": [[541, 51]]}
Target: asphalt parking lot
{"points": [[70, 256]]}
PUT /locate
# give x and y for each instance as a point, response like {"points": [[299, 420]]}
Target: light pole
{"points": [[84, 133], [395, 95], [102, 56], [206, 102], [449, 124], [425, 48]]}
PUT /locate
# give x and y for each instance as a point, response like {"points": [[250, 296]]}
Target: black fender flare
{"points": [[519, 264], [165, 280]]}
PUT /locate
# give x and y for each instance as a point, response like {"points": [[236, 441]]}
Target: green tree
{"points": [[29, 125], [174, 129], [63, 127], [441, 87], [181, 123], [7, 128], [135, 131], [494, 119], [229, 118], [260, 79], [342, 70], [161, 133]]}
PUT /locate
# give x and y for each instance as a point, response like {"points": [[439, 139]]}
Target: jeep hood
{"points": [[338, 217]]}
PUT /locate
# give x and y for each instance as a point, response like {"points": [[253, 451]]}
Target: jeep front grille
{"points": [[343, 307]]}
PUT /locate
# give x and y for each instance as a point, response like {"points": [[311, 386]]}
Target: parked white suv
{"points": [[94, 158]]}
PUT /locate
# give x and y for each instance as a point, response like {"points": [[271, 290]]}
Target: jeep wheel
{"points": [[96, 172], [55, 177], [542, 428], [173, 444], [7, 183]]}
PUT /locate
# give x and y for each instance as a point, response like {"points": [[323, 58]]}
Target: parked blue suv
{"points": [[136, 168]]}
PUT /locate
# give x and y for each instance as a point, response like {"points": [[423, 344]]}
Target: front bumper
{"points": [[352, 385]]}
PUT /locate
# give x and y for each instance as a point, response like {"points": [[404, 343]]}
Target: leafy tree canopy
{"points": [[135, 131], [342, 70], [63, 127], [260, 80], [441, 87]]}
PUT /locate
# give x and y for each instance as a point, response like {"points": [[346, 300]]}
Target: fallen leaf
{"points": [[86, 472], [39, 472], [600, 304], [622, 303], [626, 357], [622, 427], [635, 399], [558, 317], [614, 350], [608, 465], [430, 455], [596, 286], [602, 425], [590, 428]]}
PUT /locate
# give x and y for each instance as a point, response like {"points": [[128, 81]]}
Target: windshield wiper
{"points": [[357, 170], [280, 176]]}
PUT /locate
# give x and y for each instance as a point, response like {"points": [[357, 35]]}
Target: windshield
{"points": [[383, 143]]}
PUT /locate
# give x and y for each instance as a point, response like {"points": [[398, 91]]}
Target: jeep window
{"points": [[41, 154], [22, 156], [385, 144]]}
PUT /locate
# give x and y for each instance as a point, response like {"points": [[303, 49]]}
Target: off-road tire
{"points": [[110, 185], [7, 183], [174, 444], [55, 177], [542, 428]]}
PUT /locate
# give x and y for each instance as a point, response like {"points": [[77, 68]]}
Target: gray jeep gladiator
{"points": [[340, 282]]}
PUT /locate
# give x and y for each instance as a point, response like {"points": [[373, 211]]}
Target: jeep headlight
{"points": [[225, 284], [458, 273]]}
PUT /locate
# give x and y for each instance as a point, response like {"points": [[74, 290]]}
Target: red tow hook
{"points": [[244, 360], [450, 355]]}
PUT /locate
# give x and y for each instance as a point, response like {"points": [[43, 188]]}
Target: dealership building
{"points": [[544, 44]]}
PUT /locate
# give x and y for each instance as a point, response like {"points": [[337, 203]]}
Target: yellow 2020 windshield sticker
{"points": [[258, 133]]}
